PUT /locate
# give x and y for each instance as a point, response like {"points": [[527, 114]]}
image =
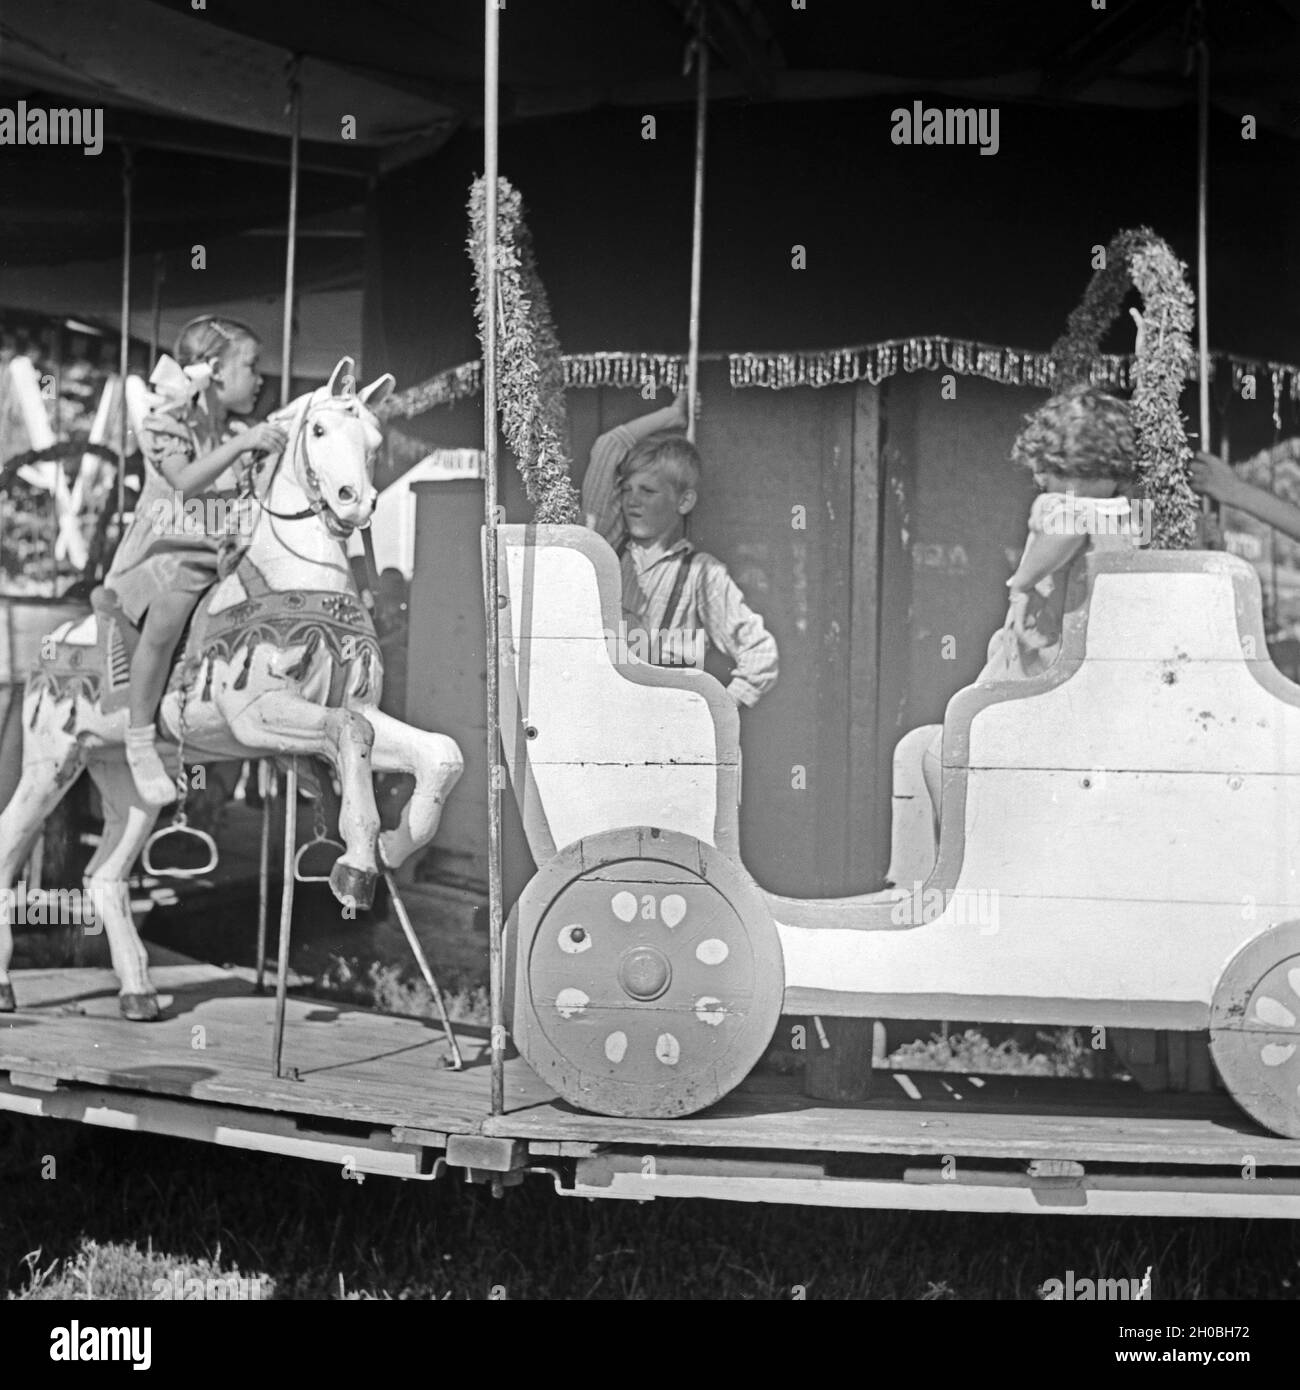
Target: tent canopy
{"points": [[200, 94], [200, 97]]}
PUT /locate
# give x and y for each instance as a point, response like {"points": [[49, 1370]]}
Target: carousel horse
{"points": [[281, 660]]}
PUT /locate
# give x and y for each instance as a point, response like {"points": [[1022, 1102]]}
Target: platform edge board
{"points": [[1191, 1139], [953, 1196], [224, 1125]]}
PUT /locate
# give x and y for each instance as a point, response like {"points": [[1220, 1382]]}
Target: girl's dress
{"points": [[164, 549], [1109, 524]]}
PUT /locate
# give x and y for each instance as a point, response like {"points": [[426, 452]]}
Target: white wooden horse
{"points": [[281, 660]]}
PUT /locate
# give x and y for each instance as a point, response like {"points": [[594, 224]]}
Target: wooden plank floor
{"points": [[370, 1069]]}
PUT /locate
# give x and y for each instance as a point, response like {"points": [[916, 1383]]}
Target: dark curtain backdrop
{"points": [[898, 239]]}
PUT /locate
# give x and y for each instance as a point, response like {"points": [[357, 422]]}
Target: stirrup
{"points": [[180, 826], [317, 839]]}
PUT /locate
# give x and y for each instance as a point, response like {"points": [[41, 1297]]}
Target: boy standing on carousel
{"points": [[642, 483], [163, 566]]}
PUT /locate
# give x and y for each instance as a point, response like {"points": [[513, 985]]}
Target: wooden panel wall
{"points": [[957, 511]]}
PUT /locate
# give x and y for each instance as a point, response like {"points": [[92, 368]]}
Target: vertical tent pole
{"points": [[271, 776], [155, 327], [491, 582], [697, 231], [295, 139], [56, 478], [124, 353], [1202, 189]]}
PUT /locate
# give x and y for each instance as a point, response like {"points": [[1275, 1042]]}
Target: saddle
{"points": [[334, 630], [72, 665]]}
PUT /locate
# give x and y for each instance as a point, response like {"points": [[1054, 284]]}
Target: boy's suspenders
{"points": [[678, 590], [677, 593]]}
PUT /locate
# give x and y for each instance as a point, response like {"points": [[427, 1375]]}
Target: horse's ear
{"points": [[379, 388], [342, 382]]}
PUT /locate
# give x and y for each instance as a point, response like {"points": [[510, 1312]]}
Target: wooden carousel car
{"points": [[1117, 846]]}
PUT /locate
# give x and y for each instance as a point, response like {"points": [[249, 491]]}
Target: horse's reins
{"points": [[317, 503]]}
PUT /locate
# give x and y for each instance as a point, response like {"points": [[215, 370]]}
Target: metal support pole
{"points": [[697, 232], [124, 353], [454, 1061], [491, 582], [155, 326], [295, 140], [268, 784], [267, 771], [57, 482], [286, 909]]}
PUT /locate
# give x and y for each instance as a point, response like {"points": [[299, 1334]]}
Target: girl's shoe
{"points": [[152, 783]]}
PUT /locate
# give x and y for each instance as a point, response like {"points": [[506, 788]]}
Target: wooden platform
{"points": [[373, 1090]]}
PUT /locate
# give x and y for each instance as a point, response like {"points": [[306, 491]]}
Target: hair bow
{"points": [[176, 387]]}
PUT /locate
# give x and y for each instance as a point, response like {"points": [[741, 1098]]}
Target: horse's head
{"points": [[332, 444]]}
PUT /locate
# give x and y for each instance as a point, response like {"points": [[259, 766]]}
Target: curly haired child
{"points": [[1081, 447]]}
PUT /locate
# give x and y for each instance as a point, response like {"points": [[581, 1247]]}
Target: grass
{"points": [[398, 989], [1060, 1052], [124, 1210]]}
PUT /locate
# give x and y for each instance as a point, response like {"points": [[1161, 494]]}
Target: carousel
{"points": [[1123, 808]]}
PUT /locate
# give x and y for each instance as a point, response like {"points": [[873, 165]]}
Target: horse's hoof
{"points": [[140, 1008], [7, 1001], [352, 887]]}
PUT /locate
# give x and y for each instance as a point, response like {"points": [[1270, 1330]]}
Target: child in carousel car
{"points": [[641, 484], [1082, 451], [1081, 448], [164, 565]]}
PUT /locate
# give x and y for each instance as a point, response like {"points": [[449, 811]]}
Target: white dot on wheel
{"points": [[1274, 1054], [668, 1049], [710, 1011], [616, 1046], [1273, 1011], [623, 906], [672, 909], [570, 1002], [574, 939], [712, 951]]}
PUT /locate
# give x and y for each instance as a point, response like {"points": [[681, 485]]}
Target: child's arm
{"points": [[1044, 555], [1215, 479], [189, 476], [671, 417], [600, 484], [734, 628]]}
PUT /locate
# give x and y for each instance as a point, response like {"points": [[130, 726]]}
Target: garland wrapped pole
{"points": [[1202, 202], [528, 362], [1140, 258]]}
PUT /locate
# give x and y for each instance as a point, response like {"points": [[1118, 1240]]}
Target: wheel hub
{"points": [[644, 973]]}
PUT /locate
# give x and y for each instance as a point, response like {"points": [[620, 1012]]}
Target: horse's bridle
{"points": [[298, 444]]}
